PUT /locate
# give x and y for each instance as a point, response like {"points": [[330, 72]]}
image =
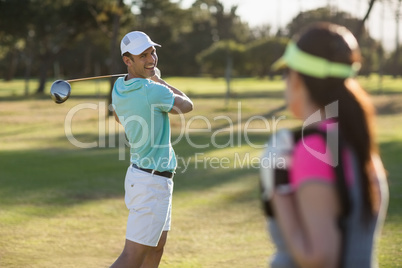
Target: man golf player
{"points": [[142, 101]]}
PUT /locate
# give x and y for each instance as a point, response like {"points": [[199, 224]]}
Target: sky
{"points": [[279, 13]]}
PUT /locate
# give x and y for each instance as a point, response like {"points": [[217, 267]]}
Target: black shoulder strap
{"points": [[340, 181], [336, 154]]}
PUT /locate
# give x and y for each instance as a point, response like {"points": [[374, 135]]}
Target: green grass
{"points": [[386, 85], [62, 206]]}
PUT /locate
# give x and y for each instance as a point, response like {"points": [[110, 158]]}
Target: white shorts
{"points": [[149, 200]]}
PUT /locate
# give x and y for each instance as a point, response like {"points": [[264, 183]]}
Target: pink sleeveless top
{"points": [[308, 166]]}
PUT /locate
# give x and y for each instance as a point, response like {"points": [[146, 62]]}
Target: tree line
{"points": [[79, 38]]}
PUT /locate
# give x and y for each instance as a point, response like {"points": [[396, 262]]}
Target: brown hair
{"points": [[129, 55], [356, 112]]}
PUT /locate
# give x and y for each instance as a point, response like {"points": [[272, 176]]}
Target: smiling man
{"points": [[142, 102]]}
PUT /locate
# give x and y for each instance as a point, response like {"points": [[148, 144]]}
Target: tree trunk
{"points": [[228, 76], [113, 49], [396, 72], [360, 26], [13, 65], [87, 61], [28, 72], [44, 67]]}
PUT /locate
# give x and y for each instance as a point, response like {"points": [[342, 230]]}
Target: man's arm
{"points": [[182, 103]]}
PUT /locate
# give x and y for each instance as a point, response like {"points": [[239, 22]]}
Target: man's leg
{"points": [[154, 255], [133, 255]]}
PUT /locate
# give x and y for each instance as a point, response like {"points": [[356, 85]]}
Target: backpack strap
{"points": [[336, 154], [340, 184], [281, 176]]}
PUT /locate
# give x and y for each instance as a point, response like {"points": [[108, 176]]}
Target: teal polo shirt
{"points": [[142, 106]]}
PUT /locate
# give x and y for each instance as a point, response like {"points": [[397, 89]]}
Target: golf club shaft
{"points": [[94, 77]]}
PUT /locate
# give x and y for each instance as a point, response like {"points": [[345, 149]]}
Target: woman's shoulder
{"points": [[311, 161]]}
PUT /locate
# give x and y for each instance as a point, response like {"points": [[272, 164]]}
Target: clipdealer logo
{"points": [[204, 161], [331, 154], [234, 132], [112, 135]]}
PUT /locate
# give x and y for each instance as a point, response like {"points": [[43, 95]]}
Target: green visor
{"points": [[314, 66]]}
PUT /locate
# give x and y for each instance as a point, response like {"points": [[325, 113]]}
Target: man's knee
{"points": [[134, 250], [133, 255]]}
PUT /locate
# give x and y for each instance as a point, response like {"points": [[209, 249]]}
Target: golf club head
{"points": [[60, 91]]}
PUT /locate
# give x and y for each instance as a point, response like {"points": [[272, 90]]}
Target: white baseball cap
{"points": [[136, 42]]}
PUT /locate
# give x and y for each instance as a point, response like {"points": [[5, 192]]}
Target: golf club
{"points": [[61, 89]]}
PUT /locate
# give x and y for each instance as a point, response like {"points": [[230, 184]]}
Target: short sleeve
{"points": [[311, 161], [161, 97]]}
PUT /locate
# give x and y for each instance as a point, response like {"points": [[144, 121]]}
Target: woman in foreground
{"points": [[331, 206]]}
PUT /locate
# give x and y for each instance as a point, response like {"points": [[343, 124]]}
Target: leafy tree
{"points": [[369, 46], [306, 18], [360, 26], [164, 21], [55, 29], [393, 65], [191, 43], [209, 23], [57, 26], [184, 33], [397, 53], [215, 58], [226, 25], [220, 60], [260, 32], [262, 53], [13, 32]]}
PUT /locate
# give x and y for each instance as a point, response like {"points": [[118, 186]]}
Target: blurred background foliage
{"points": [[78, 38]]}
